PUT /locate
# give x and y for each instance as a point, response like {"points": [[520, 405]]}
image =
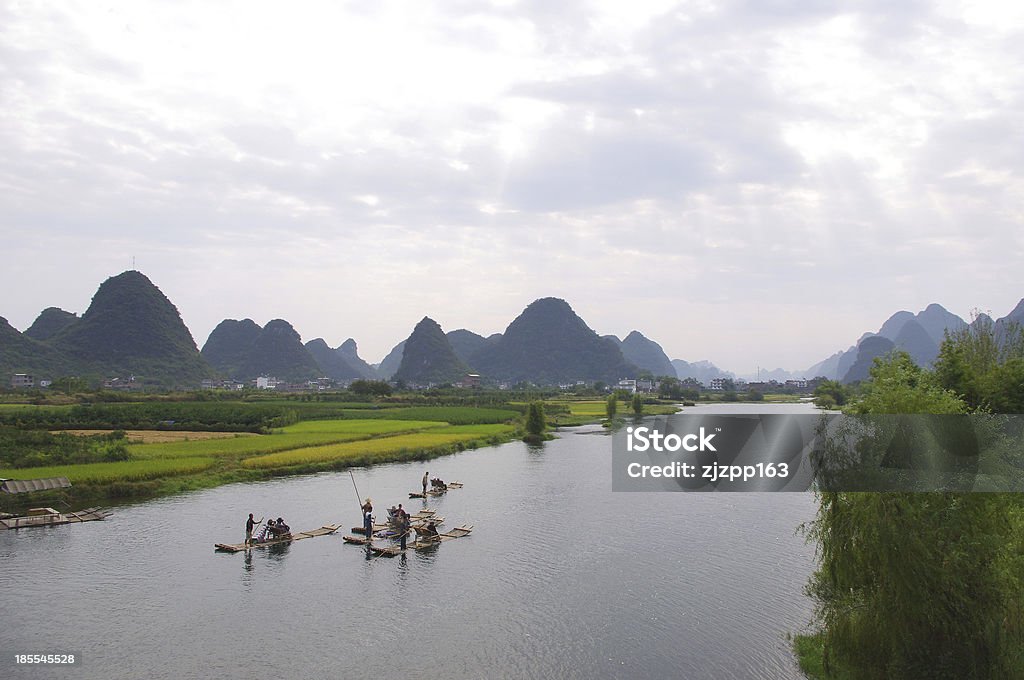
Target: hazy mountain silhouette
{"points": [[916, 341], [428, 357], [467, 344], [703, 371], [50, 321], [332, 363], [243, 351], [230, 345], [387, 368], [350, 352], [549, 344], [868, 349], [132, 328], [645, 353]]}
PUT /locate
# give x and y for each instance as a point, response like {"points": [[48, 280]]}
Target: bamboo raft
{"points": [[47, 517], [388, 527], [297, 536], [416, 518], [435, 491], [418, 544]]}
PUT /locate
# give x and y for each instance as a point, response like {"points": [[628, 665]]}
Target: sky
{"points": [[754, 182]]}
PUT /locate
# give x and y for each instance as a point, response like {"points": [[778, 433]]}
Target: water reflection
{"points": [[247, 572], [535, 450], [278, 551]]}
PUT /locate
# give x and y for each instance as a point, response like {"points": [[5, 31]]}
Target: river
{"points": [[561, 578]]}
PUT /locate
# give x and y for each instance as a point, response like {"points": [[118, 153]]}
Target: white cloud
{"points": [[352, 168]]}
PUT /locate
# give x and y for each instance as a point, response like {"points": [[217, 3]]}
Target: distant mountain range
{"points": [[920, 335], [132, 329], [703, 371]]}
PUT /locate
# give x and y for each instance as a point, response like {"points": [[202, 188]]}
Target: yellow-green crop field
{"points": [[583, 408], [372, 450], [367, 427], [236, 446], [125, 470], [300, 435], [307, 445]]}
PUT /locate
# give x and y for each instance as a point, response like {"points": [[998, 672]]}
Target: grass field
{"points": [[367, 427], [189, 459], [300, 435], [128, 470], [376, 450], [456, 415], [237, 447], [158, 436]]}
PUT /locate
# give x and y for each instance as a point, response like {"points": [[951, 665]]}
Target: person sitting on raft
{"points": [[428, 531]]}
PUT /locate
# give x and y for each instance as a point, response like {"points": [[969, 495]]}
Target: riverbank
{"points": [[137, 451], [157, 469]]}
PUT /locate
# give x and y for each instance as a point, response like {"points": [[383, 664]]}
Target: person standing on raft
{"points": [[251, 524], [368, 519], [403, 527], [426, 478]]}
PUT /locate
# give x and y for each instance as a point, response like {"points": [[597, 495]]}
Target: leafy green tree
{"points": [[638, 405], [915, 585], [918, 585], [370, 388], [981, 363], [536, 423], [830, 393], [898, 385], [611, 406], [670, 388]]}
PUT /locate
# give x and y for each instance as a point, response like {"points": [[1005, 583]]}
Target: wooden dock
{"points": [[297, 536], [48, 517]]}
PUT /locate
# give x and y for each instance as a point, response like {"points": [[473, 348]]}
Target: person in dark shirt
{"points": [[251, 524], [403, 527]]}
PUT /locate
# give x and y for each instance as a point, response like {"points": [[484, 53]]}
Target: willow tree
{"points": [[918, 585]]}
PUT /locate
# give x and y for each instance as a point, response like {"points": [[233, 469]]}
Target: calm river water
{"points": [[561, 578]]}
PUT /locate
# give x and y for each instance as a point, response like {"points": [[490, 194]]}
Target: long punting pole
{"points": [[358, 501], [369, 536]]}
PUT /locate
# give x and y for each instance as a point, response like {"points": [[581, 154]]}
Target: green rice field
{"points": [[300, 435], [377, 450], [127, 470]]}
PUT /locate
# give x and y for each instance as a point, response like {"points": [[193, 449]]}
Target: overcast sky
{"points": [[752, 182]]}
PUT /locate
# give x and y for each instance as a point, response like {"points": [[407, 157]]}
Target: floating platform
{"points": [[418, 544], [415, 518], [295, 536], [436, 492], [416, 522], [48, 517]]}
